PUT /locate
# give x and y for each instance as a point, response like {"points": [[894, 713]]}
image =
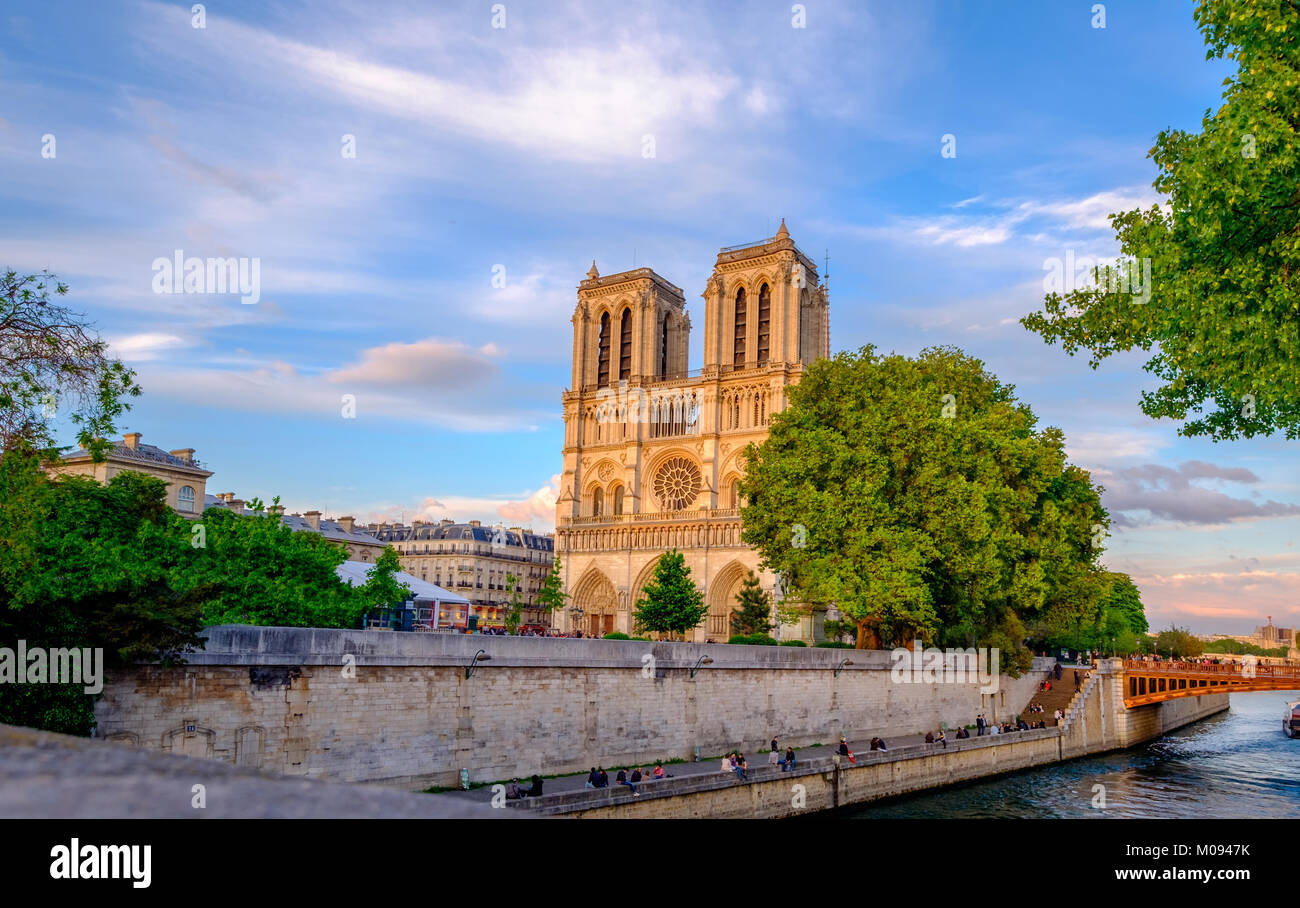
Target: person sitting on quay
{"points": [[622, 779], [604, 779], [536, 790], [513, 792], [788, 762], [593, 780], [742, 767], [929, 737], [943, 739], [659, 772]]}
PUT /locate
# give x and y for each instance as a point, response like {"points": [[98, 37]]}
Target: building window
{"points": [[738, 343], [597, 502], [602, 353], [764, 321], [618, 500], [625, 346], [185, 499]]}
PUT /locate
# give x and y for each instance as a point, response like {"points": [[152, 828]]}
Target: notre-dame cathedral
{"points": [[652, 451]]}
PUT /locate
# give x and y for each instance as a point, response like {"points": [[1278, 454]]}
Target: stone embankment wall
{"points": [[1097, 722], [397, 708]]}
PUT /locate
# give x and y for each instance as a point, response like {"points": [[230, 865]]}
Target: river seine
{"points": [[1237, 764]]}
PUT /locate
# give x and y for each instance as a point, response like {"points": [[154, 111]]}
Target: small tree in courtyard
{"points": [[754, 612], [672, 604]]}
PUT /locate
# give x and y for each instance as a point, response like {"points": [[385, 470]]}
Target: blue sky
{"points": [[524, 147]]}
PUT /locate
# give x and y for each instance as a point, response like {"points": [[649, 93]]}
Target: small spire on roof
{"points": [[782, 233], [593, 273]]}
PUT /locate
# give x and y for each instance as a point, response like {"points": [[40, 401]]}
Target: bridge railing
{"points": [[1236, 669]]}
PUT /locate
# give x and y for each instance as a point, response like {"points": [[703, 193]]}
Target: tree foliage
{"points": [[1223, 308], [919, 496], [261, 572], [382, 589], [753, 615], [1178, 642], [551, 596], [85, 565], [672, 603], [51, 362]]}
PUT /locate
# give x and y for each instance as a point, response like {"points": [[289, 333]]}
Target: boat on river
{"points": [[1291, 719]]}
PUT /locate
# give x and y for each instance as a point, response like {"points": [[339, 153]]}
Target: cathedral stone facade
{"points": [[652, 451]]}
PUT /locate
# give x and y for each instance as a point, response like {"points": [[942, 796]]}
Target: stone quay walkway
{"points": [[710, 769]]}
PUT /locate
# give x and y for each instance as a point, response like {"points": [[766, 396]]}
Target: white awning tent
{"points": [[354, 573]]}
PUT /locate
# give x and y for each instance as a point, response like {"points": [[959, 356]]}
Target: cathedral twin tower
{"points": [[652, 451]]}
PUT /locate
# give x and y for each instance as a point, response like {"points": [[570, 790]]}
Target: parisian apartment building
{"points": [[474, 560]]}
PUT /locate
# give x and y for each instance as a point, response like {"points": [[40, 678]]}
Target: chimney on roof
{"points": [[313, 519], [132, 440], [275, 510], [185, 454], [476, 523], [227, 497], [347, 523], [446, 522], [417, 523], [235, 504]]}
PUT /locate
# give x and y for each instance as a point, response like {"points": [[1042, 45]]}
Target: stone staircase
{"points": [[1061, 696]]}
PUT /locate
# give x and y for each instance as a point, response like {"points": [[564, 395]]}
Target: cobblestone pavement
{"points": [[52, 776]]}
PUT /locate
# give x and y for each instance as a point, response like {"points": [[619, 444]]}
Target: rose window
{"points": [[677, 484]]}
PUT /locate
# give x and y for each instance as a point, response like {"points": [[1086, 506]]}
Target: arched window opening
{"points": [[597, 502], [625, 346], [738, 343], [185, 499], [732, 501], [602, 367], [663, 350], [618, 501], [764, 322]]}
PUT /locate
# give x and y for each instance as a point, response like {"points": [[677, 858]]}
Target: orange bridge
{"points": [[1152, 682]]}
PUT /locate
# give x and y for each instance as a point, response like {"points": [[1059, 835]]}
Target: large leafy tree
{"points": [[85, 565], [921, 498], [261, 572], [754, 611], [1110, 618], [672, 603], [1223, 308], [50, 363]]}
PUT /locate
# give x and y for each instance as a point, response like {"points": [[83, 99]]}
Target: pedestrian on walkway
{"points": [[979, 724], [774, 747]]}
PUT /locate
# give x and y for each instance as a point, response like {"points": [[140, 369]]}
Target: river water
{"points": [[1237, 764]]}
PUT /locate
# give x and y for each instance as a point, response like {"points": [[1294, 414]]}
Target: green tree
{"points": [[1223, 305], [88, 565], [551, 597], [516, 604], [1178, 641], [754, 612], [264, 573], [51, 362], [920, 496], [672, 603], [382, 589]]}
